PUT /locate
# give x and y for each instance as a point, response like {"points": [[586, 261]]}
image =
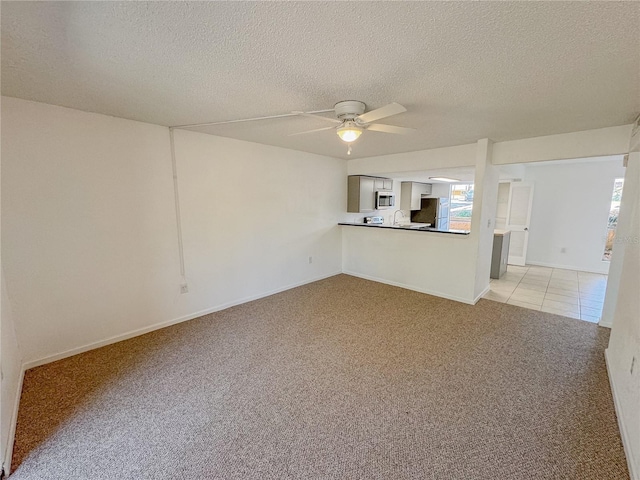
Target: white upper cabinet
{"points": [[411, 194]]}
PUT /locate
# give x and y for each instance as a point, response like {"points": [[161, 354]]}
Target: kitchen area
{"points": [[414, 230], [401, 204]]}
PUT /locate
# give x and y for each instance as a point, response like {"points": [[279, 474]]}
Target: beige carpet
{"points": [[340, 379]]}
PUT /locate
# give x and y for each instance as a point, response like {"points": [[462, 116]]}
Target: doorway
{"points": [[560, 267]]}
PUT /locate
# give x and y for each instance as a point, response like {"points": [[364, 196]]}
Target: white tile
{"points": [[496, 297], [517, 269], [593, 289], [564, 292], [592, 281], [593, 312], [533, 281], [517, 303], [588, 276], [505, 282], [523, 289], [503, 286], [568, 288], [562, 283], [561, 298], [561, 306], [542, 270], [543, 275], [595, 292], [511, 277], [533, 286], [533, 298], [562, 275], [592, 297], [597, 304], [560, 312], [533, 290]]}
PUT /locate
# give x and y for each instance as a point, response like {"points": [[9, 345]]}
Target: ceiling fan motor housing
{"points": [[349, 109]]}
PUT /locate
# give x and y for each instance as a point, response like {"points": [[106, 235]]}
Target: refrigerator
{"points": [[434, 211]]}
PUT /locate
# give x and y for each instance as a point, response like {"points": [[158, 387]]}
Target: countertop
{"points": [[412, 228]]}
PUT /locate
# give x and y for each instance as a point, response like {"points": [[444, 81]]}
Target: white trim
{"points": [[411, 287], [6, 464], [624, 434], [484, 292], [157, 326], [564, 267], [605, 324]]}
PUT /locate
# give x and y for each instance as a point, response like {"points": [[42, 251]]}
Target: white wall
{"points": [[435, 263], [252, 216], [571, 206], [624, 343], [448, 157], [89, 238], [588, 143], [11, 378]]}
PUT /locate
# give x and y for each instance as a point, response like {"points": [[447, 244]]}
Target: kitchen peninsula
{"points": [[405, 227]]}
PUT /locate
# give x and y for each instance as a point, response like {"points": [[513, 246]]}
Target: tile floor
{"points": [[564, 292]]}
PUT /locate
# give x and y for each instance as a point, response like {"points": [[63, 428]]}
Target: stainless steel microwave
{"points": [[385, 199]]}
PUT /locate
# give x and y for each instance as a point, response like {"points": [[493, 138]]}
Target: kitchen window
{"points": [[461, 205]]}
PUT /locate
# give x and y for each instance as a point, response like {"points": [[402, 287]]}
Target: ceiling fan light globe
{"points": [[349, 133]]}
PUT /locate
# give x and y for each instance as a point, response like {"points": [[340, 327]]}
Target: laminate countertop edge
{"points": [[405, 229]]}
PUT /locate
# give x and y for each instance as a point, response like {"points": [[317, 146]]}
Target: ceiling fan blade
{"points": [[311, 131], [380, 127], [382, 112], [326, 119]]}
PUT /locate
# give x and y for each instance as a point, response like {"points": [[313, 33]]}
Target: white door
{"points": [[518, 216]]}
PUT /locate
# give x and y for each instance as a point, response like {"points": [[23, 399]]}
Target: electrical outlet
{"points": [[633, 364], [310, 259], [184, 288]]}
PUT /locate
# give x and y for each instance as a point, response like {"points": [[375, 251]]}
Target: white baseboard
{"points": [[604, 271], [482, 294], [411, 287], [624, 434], [157, 326], [6, 464], [605, 324]]}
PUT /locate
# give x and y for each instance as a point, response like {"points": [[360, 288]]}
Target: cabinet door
{"points": [[416, 192], [405, 196], [378, 183], [388, 184], [367, 194]]}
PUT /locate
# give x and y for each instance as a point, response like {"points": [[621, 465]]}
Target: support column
{"points": [[485, 200]]}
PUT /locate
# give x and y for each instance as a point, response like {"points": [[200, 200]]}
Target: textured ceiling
{"points": [[464, 70]]}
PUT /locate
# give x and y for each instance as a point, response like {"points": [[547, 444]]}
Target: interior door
{"points": [[518, 217]]}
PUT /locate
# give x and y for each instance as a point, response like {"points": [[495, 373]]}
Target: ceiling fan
{"points": [[352, 120]]}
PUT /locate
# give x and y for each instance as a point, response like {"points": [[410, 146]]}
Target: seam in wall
{"points": [[177, 204]]}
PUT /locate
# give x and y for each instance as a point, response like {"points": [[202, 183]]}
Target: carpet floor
{"points": [[339, 379]]}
